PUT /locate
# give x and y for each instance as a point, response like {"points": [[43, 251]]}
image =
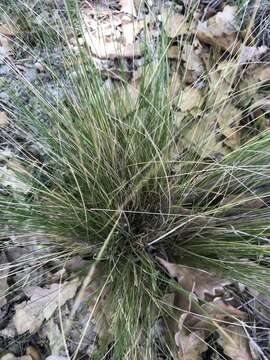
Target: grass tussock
{"points": [[115, 181]]}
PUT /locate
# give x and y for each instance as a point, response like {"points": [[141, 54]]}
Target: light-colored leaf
{"points": [[126, 94], [191, 55], [10, 356], [236, 344], [220, 29], [174, 23], [43, 302], [5, 48], [6, 29], [191, 344], [128, 7], [251, 53], [228, 119], [189, 99], [112, 35], [3, 118]]}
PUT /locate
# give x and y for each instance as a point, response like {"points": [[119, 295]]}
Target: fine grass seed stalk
{"points": [[112, 172]]}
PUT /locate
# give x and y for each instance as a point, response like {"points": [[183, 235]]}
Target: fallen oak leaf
{"points": [[193, 329], [191, 344], [251, 53], [189, 99], [200, 282], [236, 344], [220, 29], [112, 49], [29, 315], [194, 66]]}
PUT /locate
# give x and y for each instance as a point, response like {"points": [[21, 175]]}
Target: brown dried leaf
{"points": [[43, 302], [128, 95], [174, 23], [202, 136], [191, 344], [131, 29], [200, 282], [220, 29], [173, 52], [236, 344], [195, 328], [102, 48], [190, 99], [112, 35], [229, 118], [191, 55]]}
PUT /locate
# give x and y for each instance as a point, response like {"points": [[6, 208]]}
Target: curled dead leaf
{"points": [[200, 282], [220, 29]]}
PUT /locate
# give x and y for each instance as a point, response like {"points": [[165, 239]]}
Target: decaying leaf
{"points": [[111, 35], [173, 52], [3, 118], [253, 79], [10, 356], [200, 282], [228, 118], [251, 53], [190, 99], [174, 23], [43, 302], [111, 49], [191, 55], [9, 179], [236, 344], [193, 329], [220, 29], [191, 344], [202, 135]]}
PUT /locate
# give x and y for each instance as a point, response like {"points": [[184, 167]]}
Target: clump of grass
{"points": [[106, 184]]}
